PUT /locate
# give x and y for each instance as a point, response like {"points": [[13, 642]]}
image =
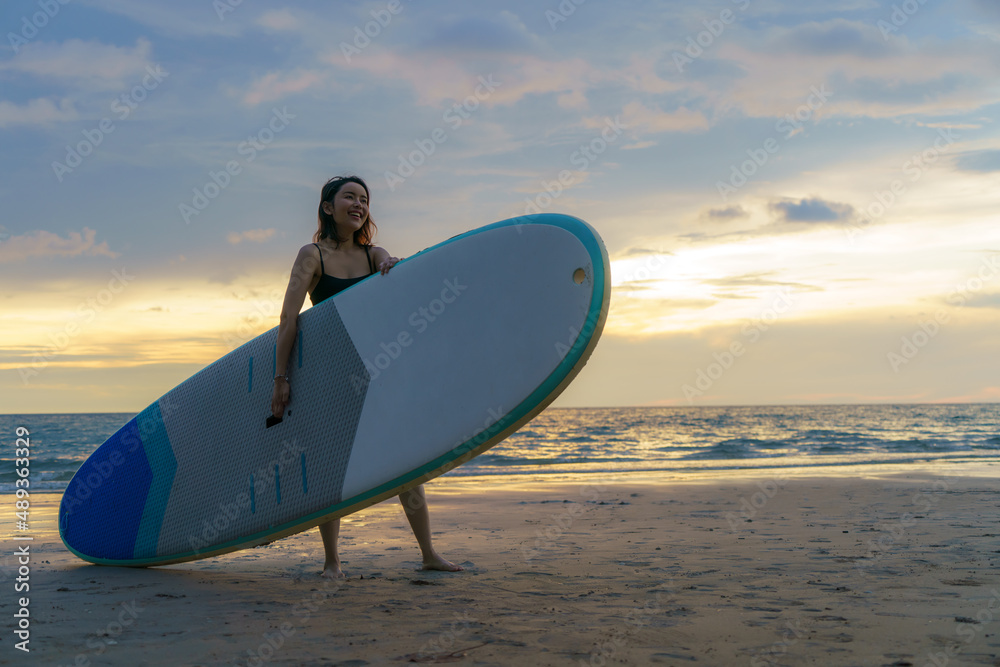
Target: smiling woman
{"points": [[344, 235], [344, 196]]}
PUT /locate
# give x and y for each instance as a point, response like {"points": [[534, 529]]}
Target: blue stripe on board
{"points": [[253, 505], [161, 459], [277, 483], [300, 348], [105, 525], [274, 360], [250, 377], [305, 486]]}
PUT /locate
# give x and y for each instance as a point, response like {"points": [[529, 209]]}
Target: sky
{"points": [[799, 200]]}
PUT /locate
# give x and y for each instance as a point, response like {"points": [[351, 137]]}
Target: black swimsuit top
{"points": [[329, 285]]}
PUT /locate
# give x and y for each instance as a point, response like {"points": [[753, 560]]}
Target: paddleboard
{"points": [[394, 381]]}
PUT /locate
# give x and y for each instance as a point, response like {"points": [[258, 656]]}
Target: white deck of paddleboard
{"points": [[513, 301]]}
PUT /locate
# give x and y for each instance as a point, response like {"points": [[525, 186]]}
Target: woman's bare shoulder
{"points": [[308, 250], [309, 257]]}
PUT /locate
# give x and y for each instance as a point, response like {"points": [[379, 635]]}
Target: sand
{"points": [[872, 566]]}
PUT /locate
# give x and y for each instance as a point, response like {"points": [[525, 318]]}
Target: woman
{"points": [[342, 242]]}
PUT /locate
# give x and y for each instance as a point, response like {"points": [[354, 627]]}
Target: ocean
{"points": [[670, 440]]}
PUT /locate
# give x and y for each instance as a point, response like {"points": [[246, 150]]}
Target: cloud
{"points": [[252, 235], [983, 161], [836, 37], [644, 73], [278, 20], [988, 300], [275, 85], [726, 213], [36, 112], [638, 117], [989, 9], [812, 210], [868, 76], [439, 79], [46, 244], [504, 33], [89, 64], [637, 145], [640, 251], [461, 53], [176, 20], [759, 279]]}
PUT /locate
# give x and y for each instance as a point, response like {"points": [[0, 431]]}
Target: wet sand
{"points": [[809, 567]]}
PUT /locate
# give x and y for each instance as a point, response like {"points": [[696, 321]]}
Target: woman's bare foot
{"points": [[435, 562], [332, 571]]}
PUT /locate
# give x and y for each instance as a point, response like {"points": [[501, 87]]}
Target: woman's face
{"points": [[349, 207]]}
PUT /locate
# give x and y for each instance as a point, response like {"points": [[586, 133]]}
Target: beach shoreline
{"points": [[774, 566]]}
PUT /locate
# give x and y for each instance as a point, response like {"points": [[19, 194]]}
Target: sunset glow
{"points": [[817, 186]]}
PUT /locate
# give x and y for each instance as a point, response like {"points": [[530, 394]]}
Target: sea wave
{"points": [[602, 440]]}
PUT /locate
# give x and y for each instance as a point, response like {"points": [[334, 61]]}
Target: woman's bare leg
{"points": [[415, 505], [330, 532]]}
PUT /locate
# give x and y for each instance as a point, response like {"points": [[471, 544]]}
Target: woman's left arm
{"points": [[382, 260]]}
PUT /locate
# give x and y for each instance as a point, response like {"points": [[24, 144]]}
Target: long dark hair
{"points": [[327, 229]]}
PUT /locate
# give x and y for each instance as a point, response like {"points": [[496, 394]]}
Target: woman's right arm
{"points": [[305, 271]]}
